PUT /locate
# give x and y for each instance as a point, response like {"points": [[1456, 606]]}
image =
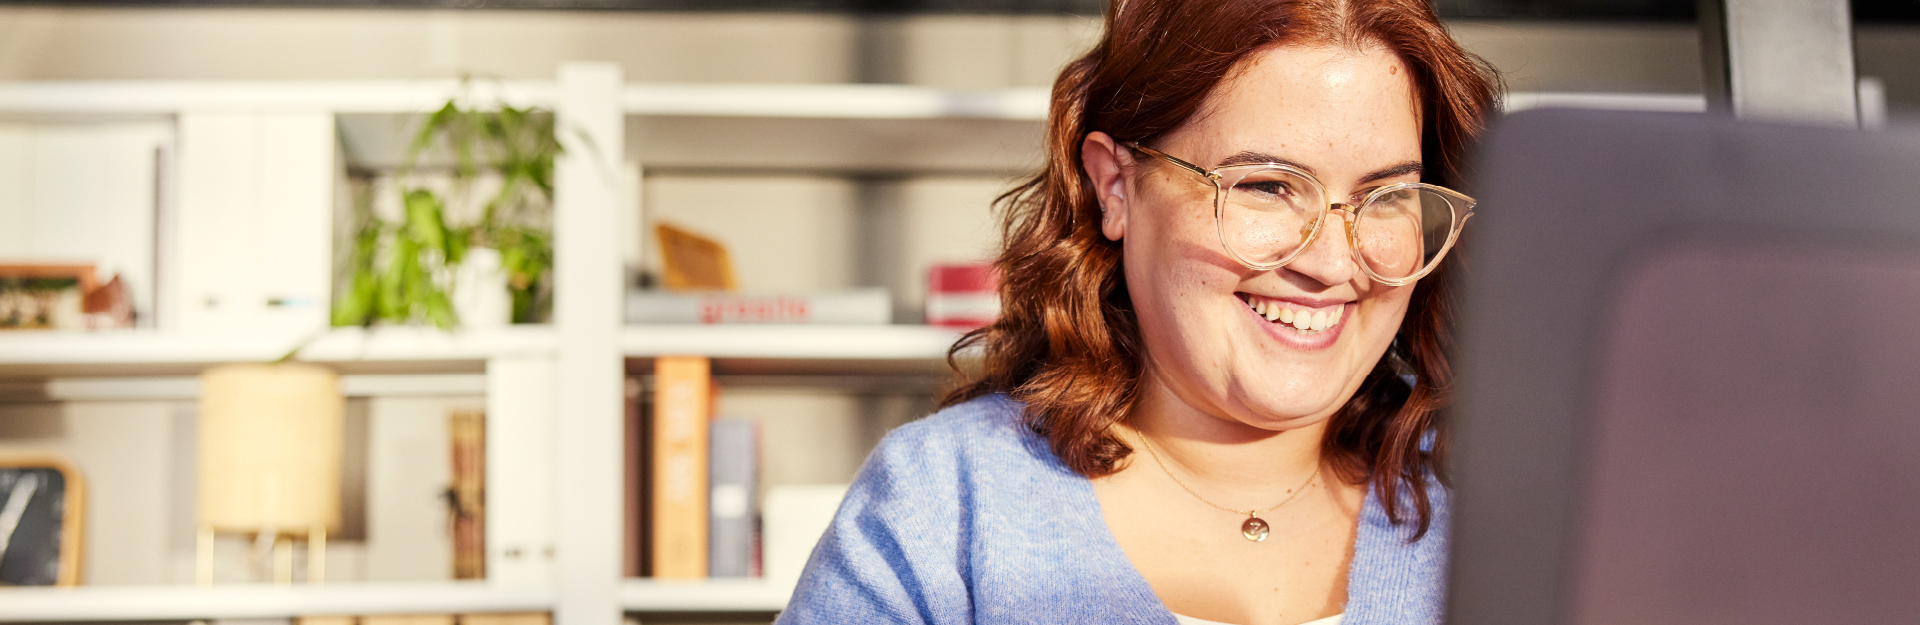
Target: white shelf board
{"points": [[852, 101], [796, 341], [151, 603], [704, 595], [141, 347], [416, 343], [155, 387], [146, 97]]}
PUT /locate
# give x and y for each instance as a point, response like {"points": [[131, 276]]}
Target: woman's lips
{"points": [[1305, 325]]}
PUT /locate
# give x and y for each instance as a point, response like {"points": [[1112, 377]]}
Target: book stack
{"points": [[693, 481], [962, 296], [697, 273], [693, 492]]}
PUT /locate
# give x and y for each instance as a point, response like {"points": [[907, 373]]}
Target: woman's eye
{"points": [[1275, 188]]}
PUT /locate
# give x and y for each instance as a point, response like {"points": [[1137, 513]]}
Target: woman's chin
{"points": [[1292, 407]]}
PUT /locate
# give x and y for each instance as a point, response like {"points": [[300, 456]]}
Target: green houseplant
{"points": [[402, 271]]}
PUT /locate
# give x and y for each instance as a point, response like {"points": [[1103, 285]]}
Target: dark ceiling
{"points": [[1626, 10]]}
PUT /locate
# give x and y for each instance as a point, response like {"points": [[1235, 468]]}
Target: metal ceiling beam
{"points": [[1787, 60]]}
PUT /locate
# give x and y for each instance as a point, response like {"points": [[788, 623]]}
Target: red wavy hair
{"points": [[1067, 343]]}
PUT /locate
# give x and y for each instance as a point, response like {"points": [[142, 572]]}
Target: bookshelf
{"points": [[547, 387]]}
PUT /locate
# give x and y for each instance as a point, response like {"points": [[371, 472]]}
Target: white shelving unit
{"points": [[534, 377], [548, 388]]}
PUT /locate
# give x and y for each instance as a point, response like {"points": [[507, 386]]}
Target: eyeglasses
{"points": [[1268, 212]]}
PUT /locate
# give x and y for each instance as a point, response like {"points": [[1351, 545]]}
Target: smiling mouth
{"points": [[1300, 318]]}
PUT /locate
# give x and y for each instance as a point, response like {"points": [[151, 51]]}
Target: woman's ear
{"points": [[1107, 163]]}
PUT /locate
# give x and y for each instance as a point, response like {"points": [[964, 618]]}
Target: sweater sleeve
{"points": [[895, 550]]}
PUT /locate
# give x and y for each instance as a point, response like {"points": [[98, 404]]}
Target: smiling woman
{"points": [[1232, 260]]}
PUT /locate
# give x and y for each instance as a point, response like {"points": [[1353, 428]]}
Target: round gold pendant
{"points": [[1255, 529]]}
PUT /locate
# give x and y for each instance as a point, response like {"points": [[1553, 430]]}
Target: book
{"points": [[683, 403], [734, 475], [857, 306], [637, 561], [507, 618], [467, 496], [326, 619], [963, 296], [407, 619]]}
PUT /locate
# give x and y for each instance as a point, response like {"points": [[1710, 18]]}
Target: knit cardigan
{"points": [[967, 516]]}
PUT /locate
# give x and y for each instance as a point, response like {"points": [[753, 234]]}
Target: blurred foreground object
{"points": [[42, 516], [271, 439], [1688, 375]]}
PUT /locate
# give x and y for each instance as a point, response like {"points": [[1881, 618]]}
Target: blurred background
{"points": [[598, 339]]}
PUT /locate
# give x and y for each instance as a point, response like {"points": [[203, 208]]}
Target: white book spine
{"points": [[860, 306]]}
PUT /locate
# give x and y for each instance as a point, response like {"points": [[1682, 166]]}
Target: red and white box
{"points": [[963, 296]]}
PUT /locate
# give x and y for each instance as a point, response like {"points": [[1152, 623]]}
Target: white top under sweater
{"points": [[1188, 620]]}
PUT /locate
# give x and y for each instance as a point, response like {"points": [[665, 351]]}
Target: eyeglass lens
{"points": [[1269, 213]]}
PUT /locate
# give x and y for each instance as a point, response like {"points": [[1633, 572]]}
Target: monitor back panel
{"points": [[1690, 375]]}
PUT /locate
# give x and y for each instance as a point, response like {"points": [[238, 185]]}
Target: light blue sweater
{"points": [[966, 516]]}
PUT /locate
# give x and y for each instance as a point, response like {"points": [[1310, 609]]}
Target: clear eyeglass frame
{"points": [[1459, 203]]}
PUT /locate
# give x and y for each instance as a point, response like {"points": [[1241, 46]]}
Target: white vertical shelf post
{"points": [[520, 461], [588, 188]]}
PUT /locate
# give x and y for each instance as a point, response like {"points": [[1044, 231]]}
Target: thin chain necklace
{"points": [[1254, 528]]}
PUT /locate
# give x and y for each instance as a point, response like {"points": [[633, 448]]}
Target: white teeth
{"points": [[1302, 320]]}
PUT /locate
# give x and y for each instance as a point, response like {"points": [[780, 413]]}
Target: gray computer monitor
{"points": [[1689, 371]]}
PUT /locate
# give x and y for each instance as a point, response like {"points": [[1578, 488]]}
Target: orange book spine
{"points": [[683, 404]]}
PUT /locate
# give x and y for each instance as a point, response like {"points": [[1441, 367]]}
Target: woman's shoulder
{"points": [[981, 438], [1397, 569], [954, 518]]}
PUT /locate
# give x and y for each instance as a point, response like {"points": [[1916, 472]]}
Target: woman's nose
{"points": [[1327, 258]]}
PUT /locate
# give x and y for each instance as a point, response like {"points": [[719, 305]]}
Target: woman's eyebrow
{"points": [[1396, 171], [1250, 157]]}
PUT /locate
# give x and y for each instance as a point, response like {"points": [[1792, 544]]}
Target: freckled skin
{"points": [[1237, 414], [1183, 285]]}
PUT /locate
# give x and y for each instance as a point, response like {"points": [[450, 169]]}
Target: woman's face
{"points": [[1345, 115]]}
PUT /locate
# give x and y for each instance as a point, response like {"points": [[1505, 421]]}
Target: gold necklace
{"points": [[1254, 528]]}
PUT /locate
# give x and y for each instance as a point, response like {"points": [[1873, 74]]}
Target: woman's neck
{"points": [[1216, 454]]}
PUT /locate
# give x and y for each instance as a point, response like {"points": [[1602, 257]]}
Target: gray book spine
{"points": [[734, 505]]}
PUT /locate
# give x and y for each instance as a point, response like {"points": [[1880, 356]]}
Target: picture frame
{"points": [[42, 520], [45, 296]]}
